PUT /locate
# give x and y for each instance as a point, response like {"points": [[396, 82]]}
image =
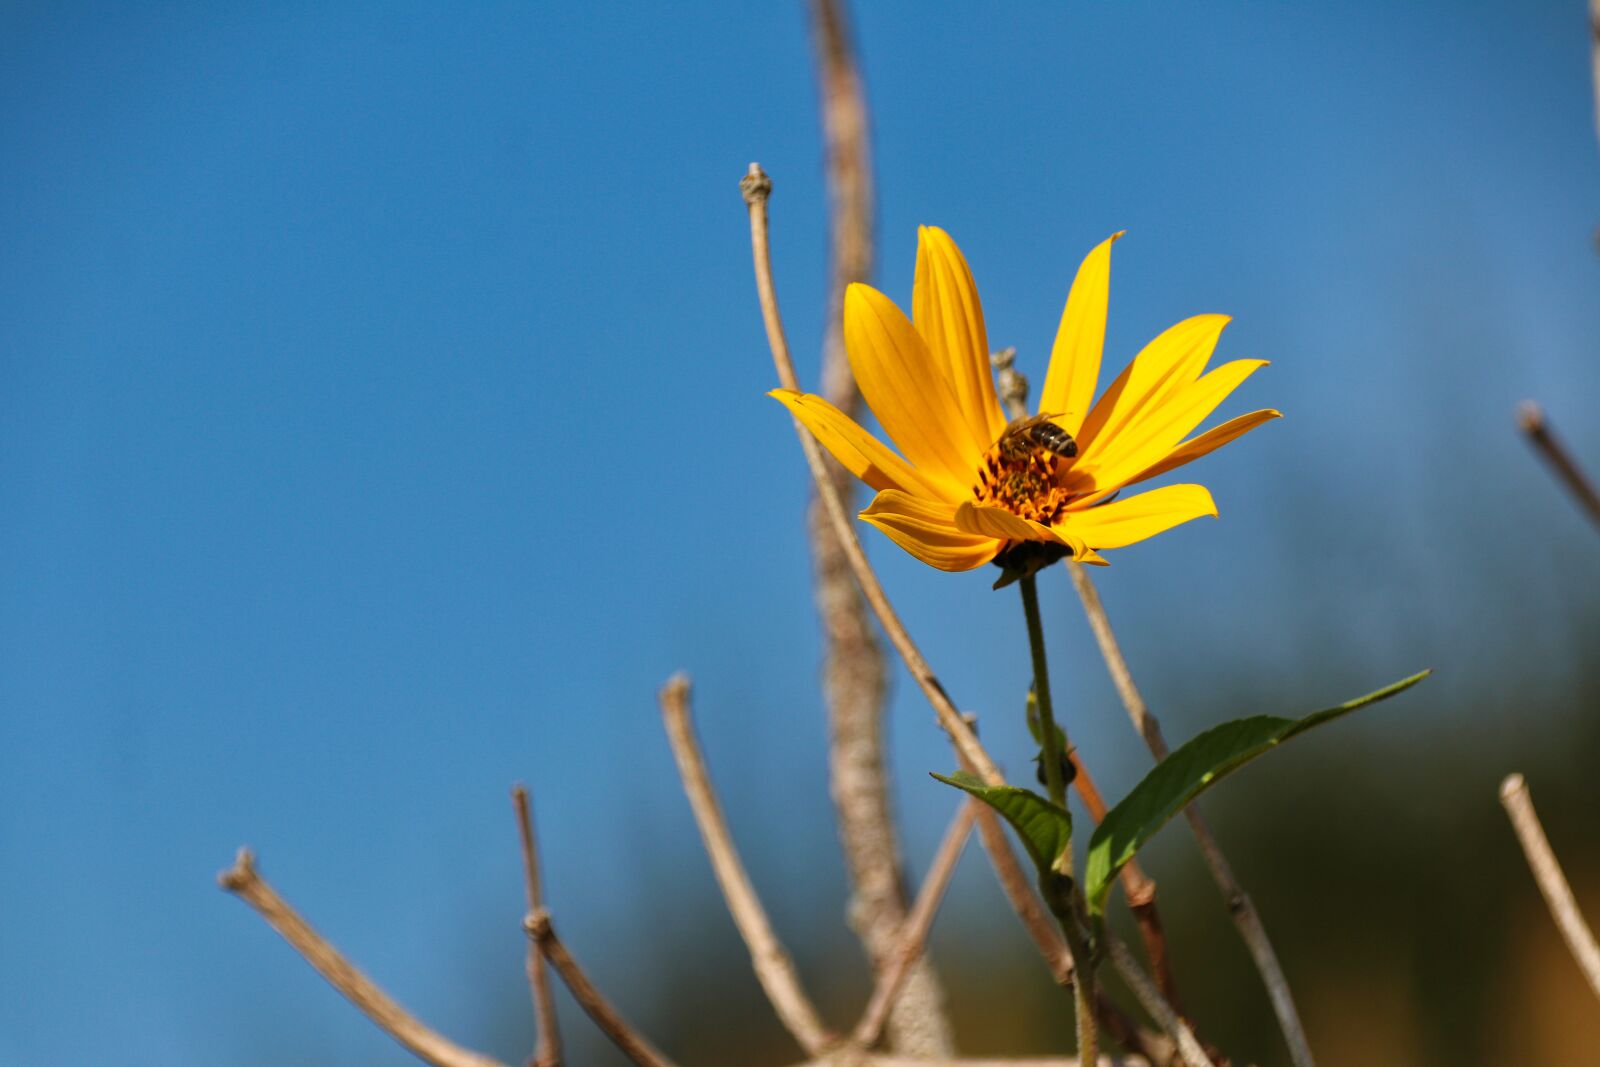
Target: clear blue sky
{"points": [[383, 421]]}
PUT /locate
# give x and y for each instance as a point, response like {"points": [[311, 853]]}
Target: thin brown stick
{"points": [[757, 188], [1533, 424], [1123, 961], [626, 1038], [547, 1047], [1138, 887], [854, 674], [1240, 906], [914, 934], [1552, 883], [773, 967], [244, 882]]}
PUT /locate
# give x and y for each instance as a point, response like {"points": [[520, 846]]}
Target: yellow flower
{"points": [[966, 491]]}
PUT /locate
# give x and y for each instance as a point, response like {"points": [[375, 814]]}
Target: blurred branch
{"points": [[547, 1049], [1594, 45], [1533, 424], [772, 964], [1240, 906], [1124, 963], [1552, 883], [854, 674], [913, 936], [243, 881], [627, 1039]]}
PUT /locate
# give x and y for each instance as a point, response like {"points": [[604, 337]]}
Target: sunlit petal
{"points": [[1209, 441], [1159, 432], [1125, 522], [1080, 340], [927, 529], [862, 454], [905, 389], [1165, 367], [945, 309]]}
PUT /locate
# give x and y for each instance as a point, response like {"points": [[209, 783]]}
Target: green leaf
{"points": [[1187, 773], [1045, 829]]}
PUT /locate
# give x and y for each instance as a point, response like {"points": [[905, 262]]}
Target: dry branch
{"points": [[913, 936], [244, 882], [1532, 422], [547, 1049], [626, 1038], [773, 967], [854, 674], [1552, 883]]}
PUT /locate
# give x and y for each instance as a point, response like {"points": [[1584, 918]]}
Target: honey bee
{"points": [[1037, 431]]}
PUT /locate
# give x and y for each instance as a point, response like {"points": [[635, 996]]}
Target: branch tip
{"points": [[241, 874], [756, 185]]}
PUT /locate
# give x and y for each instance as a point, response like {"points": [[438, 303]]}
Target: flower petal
{"points": [[1080, 340], [1165, 367], [1154, 437], [927, 529], [946, 311], [905, 388], [1207, 442], [862, 454], [1124, 522]]}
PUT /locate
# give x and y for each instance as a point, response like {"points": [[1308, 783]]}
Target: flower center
{"points": [[1020, 477]]}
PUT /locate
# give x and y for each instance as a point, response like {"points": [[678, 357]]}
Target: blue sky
{"points": [[383, 422]]}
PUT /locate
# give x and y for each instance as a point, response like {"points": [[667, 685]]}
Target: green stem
{"points": [[1050, 740], [1059, 888]]}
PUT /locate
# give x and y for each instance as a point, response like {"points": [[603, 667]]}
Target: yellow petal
{"points": [[1158, 433], [906, 390], [1209, 441], [926, 529], [1165, 367], [1124, 522], [862, 454], [945, 309], [1080, 340]]}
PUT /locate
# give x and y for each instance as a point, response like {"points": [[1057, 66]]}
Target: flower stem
{"points": [[1050, 739], [1059, 888]]}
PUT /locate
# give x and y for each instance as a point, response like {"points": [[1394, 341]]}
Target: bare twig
{"points": [[1122, 960], [854, 673], [625, 1037], [1552, 883], [1240, 906], [757, 188], [772, 964], [1532, 422], [914, 934], [547, 1050], [1138, 887], [244, 882]]}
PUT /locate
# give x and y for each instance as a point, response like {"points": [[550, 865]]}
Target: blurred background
{"points": [[382, 422]]}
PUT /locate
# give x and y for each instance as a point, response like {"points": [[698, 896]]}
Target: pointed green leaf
{"points": [[1045, 829], [1187, 773]]}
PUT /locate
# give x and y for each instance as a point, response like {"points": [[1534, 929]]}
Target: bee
{"points": [[1037, 431]]}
